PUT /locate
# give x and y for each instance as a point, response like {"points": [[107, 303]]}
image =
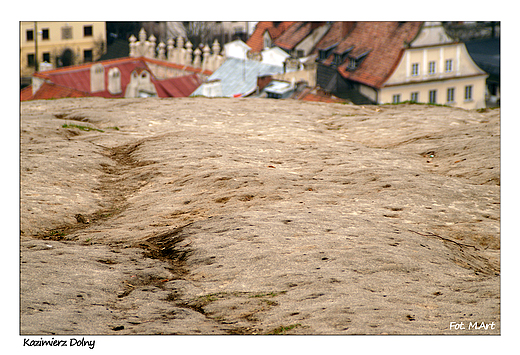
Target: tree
{"points": [[202, 32]]}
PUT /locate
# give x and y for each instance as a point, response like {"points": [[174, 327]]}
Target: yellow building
{"points": [[393, 62], [59, 44], [436, 69]]}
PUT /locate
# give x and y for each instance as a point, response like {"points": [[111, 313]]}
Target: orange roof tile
{"points": [[337, 32], [256, 41], [384, 42], [74, 81], [295, 34], [51, 91], [318, 95]]}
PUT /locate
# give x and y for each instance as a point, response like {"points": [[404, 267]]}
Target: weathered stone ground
{"points": [[251, 216]]}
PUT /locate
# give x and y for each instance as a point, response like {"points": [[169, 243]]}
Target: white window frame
{"points": [[432, 93], [415, 69], [414, 97], [396, 98], [449, 66], [450, 95], [431, 68], [468, 93]]}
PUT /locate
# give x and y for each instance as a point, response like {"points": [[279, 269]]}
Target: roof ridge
{"points": [[85, 65]]}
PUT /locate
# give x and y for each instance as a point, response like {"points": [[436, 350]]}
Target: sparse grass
{"points": [[416, 103], [270, 294], [56, 233], [283, 329], [83, 128]]}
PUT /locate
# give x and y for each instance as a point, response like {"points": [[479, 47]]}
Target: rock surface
{"points": [[251, 216]]}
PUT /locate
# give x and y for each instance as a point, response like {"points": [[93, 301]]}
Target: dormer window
{"points": [[322, 54], [356, 57], [337, 59], [325, 53], [114, 81], [97, 78], [352, 64]]}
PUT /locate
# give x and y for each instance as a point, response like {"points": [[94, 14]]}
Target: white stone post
{"points": [[151, 47], [188, 54], [196, 60], [180, 52], [169, 48], [132, 40], [205, 57], [162, 51]]}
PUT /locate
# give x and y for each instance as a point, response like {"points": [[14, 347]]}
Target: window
{"points": [[322, 54], [29, 35], [467, 92], [449, 66], [299, 53], [45, 33], [47, 57], [352, 64], [87, 31], [431, 68], [450, 95], [66, 32], [414, 97], [87, 55], [30, 60], [396, 99], [433, 96], [337, 59], [415, 69]]}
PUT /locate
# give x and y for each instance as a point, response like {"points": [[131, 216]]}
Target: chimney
{"points": [[346, 27], [97, 78], [263, 81], [315, 25]]}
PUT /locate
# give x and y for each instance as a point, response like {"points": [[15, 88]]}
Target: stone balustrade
{"points": [[181, 53]]}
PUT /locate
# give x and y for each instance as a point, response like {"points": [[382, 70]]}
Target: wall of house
{"points": [[369, 92], [461, 64], [55, 44], [463, 72], [478, 84], [301, 75], [308, 44]]}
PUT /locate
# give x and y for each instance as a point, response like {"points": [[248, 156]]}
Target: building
{"points": [[392, 62], [486, 54], [236, 78], [300, 39], [265, 33], [59, 44], [118, 78]]}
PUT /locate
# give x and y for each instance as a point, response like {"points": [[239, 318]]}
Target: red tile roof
{"points": [[75, 80], [317, 95], [385, 44], [182, 86], [295, 34], [50, 91], [256, 41], [337, 32]]}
